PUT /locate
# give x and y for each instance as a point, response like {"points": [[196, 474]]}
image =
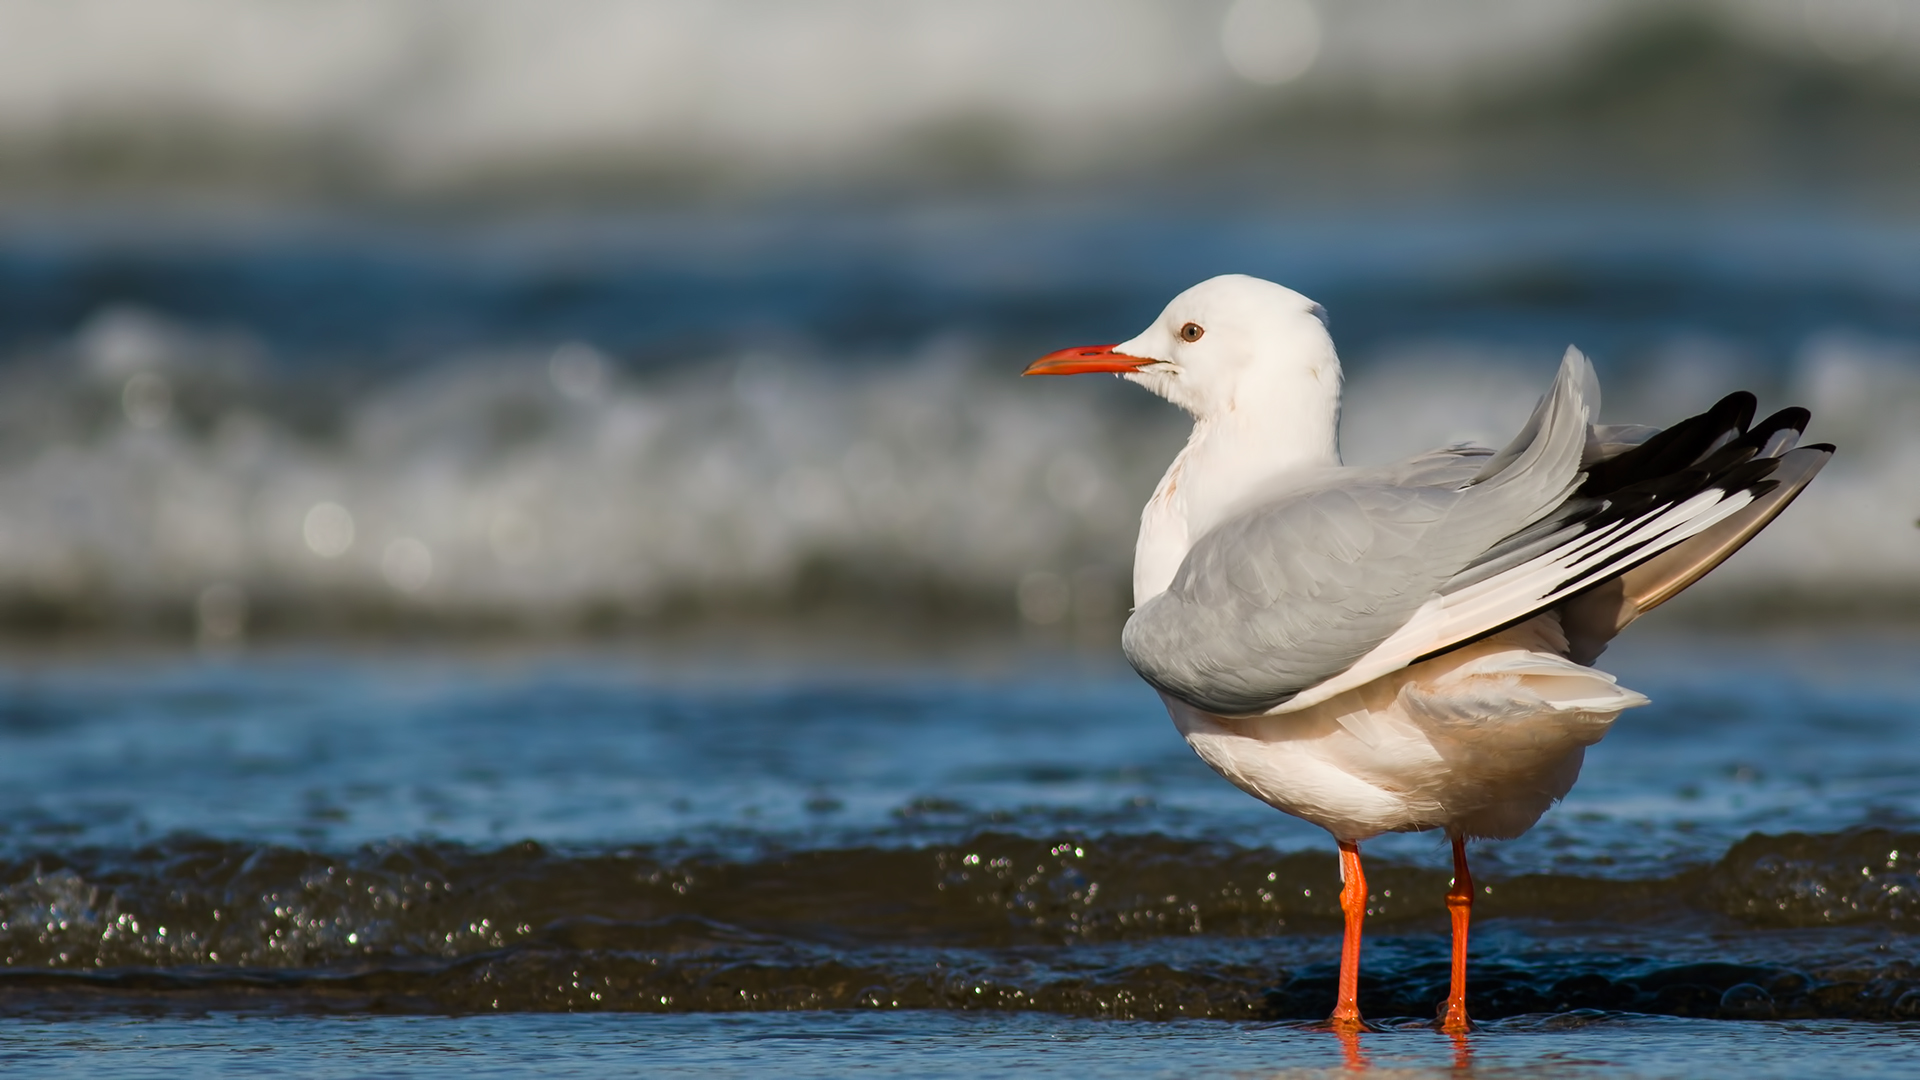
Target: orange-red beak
{"points": [[1085, 358]]}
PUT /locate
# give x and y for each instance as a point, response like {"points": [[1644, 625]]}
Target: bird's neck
{"points": [[1231, 458]]}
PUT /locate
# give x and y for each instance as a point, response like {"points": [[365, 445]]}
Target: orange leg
{"points": [[1460, 906], [1353, 904]]}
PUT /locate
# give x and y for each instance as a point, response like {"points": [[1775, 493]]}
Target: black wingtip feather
{"points": [[1793, 417], [1682, 445], [1742, 404], [1744, 476], [1735, 452], [1716, 450]]}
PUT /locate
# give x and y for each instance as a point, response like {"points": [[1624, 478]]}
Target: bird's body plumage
{"points": [[1479, 741], [1406, 647]]}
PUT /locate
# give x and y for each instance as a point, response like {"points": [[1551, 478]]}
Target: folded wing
{"points": [[1326, 590], [1297, 590]]}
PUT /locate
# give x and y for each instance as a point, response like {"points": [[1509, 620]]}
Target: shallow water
{"points": [[946, 1044], [324, 863]]}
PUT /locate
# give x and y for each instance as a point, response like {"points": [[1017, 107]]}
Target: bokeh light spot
{"points": [[407, 564], [328, 530], [1271, 42]]}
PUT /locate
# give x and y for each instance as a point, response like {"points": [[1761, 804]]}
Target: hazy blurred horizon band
{"points": [[428, 102]]}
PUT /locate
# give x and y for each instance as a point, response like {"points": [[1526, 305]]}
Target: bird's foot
{"points": [[1345, 1021]]}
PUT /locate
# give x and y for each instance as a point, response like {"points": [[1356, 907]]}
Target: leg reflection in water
{"points": [[1350, 1042], [1462, 1053], [1356, 1060]]}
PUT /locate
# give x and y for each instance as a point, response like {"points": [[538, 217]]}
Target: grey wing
{"points": [[1291, 593], [1278, 599], [1645, 524]]}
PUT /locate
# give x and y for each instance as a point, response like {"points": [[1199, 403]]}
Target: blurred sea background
{"points": [[514, 507]]}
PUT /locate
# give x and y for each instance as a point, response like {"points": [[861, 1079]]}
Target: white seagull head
{"points": [[1229, 341]]}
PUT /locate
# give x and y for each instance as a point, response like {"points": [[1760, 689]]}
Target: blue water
{"points": [[1813, 730], [943, 1045], [801, 861], [543, 765]]}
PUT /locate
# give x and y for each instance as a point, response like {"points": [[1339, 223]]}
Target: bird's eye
{"points": [[1191, 332]]}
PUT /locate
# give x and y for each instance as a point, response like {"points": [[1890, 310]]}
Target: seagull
{"points": [[1406, 647]]}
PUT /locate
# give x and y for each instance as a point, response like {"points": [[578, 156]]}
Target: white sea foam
{"points": [[515, 487]]}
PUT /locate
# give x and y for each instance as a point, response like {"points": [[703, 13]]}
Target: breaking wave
{"points": [[164, 478], [1130, 926]]}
